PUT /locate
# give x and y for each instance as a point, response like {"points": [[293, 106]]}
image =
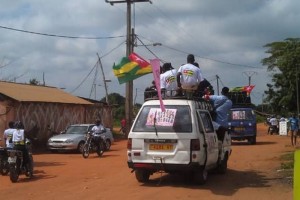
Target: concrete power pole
{"points": [[129, 50], [249, 74]]}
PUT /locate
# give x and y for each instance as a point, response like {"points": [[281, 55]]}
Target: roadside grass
{"points": [[287, 167]]}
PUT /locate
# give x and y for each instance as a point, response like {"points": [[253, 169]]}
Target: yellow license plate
{"points": [[164, 147], [239, 128]]}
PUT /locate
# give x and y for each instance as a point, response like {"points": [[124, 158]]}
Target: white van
{"points": [[181, 139]]}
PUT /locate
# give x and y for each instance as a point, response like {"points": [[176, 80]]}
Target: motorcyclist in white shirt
{"points": [[19, 141], [8, 133], [98, 128]]}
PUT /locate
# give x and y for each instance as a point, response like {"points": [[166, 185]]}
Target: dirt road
{"points": [[252, 174]]}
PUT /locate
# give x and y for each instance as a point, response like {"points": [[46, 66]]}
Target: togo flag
{"points": [[131, 67]]}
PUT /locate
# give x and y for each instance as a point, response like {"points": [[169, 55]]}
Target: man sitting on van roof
{"points": [[189, 76]]}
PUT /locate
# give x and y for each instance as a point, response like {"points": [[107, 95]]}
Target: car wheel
{"points": [[142, 175], [252, 140], [80, 147], [107, 144], [200, 177]]}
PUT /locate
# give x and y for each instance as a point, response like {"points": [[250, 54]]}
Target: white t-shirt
{"points": [[8, 134], [190, 77], [18, 135], [274, 121], [168, 80], [98, 129]]}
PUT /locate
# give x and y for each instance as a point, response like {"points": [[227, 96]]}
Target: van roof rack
{"points": [[202, 103]]}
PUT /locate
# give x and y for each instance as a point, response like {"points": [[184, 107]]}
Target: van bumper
{"points": [[165, 167]]}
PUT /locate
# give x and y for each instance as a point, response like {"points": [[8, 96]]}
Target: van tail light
{"points": [[195, 145], [129, 144]]}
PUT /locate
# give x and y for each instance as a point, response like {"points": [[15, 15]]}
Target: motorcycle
{"points": [[272, 130], [93, 143], [17, 165], [4, 165]]}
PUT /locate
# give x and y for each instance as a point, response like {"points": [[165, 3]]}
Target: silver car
{"points": [[73, 138]]}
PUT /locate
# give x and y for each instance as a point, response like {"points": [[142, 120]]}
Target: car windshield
{"points": [[176, 118], [77, 130]]}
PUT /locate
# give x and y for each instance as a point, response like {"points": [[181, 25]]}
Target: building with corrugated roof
{"points": [[44, 110]]}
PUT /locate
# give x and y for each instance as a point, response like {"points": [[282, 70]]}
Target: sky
{"points": [[58, 42]]}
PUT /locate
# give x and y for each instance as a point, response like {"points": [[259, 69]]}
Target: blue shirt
{"points": [[223, 106], [294, 123]]}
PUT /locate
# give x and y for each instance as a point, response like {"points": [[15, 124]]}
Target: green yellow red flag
{"points": [[131, 67], [247, 89]]}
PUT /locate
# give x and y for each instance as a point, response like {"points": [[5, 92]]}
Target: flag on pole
{"points": [[247, 88], [156, 75], [131, 67]]}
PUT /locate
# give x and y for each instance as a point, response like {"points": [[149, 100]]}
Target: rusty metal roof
{"points": [[38, 93]]}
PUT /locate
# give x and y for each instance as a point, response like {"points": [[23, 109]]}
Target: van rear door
{"points": [[162, 137]]}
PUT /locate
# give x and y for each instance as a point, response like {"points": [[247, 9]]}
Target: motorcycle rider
{"points": [[274, 124], [98, 128], [19, 141], [8, 133]]}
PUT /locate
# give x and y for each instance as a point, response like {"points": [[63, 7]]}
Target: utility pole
{"points": [[129, 50], [249, 74], [104, 80], [218, 83]]}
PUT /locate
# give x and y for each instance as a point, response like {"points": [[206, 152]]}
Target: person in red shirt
{"points": [[123, 126]]}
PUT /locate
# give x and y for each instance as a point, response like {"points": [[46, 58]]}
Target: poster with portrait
{"points": [[160, 118]]}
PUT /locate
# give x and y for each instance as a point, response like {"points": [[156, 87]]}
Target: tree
{"points": [[34, 81], [283, 63]]}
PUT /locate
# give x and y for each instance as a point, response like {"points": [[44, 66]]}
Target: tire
{"points": [[142, 175], [222, 167], [107, 145], [13, 173], [200, 177], [4, 168], [29, 172], [252, 140], [85, 151], [101, 148], [80, 147]]}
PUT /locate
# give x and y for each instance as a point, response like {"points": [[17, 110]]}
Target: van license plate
{"points": [[239, 128], [165, 147], [12, 159]]}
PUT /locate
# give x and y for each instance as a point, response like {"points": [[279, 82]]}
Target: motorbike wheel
{"points": [[29, 171], [85, 151], [13, 173], [4, 167], [101, 148]]}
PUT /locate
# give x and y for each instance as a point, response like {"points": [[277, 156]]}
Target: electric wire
{"points": [[60, 36]]}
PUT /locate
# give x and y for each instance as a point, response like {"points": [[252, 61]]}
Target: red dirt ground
{"points": [[252, 174]]}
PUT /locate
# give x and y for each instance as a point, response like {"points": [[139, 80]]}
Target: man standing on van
{"points": [[222, 105]]}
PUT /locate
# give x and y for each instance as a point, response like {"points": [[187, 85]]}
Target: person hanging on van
{"points": [[222, 105]]}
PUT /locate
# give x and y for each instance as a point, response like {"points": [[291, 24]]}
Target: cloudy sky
{"points": [[57, 42]]}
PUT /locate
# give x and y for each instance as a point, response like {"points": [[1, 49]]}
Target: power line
{"points": [[61, 36]]}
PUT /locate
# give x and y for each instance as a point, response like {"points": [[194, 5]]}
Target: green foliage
{"points": [[287, 161], [283, 64], [34, 81]]}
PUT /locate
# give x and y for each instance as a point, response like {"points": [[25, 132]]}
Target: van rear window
{"points": [[175, 119], [241, 115]]}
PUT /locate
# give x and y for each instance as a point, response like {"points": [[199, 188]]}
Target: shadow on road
{"points": [[235, 143], [225, 185]]}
